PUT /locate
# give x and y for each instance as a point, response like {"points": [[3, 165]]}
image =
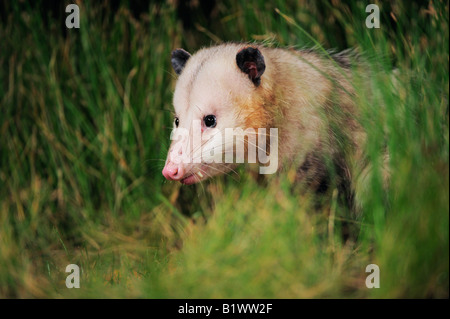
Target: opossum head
{"points": [[217, 89]]}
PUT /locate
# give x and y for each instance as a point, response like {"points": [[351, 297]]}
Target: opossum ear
{"points": [[179, 59], [251, 61]]}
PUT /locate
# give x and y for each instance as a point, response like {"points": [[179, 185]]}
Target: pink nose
{"points": [[173, 172]]}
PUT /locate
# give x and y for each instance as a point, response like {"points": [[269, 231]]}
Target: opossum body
{"points": [[305, 95]]}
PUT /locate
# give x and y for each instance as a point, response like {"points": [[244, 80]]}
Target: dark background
{"points": [[207, 13]]}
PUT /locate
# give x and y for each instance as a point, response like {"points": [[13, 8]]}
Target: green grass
{"points": [[84, 125]]}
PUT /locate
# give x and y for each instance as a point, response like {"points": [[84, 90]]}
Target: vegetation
{"points": [[85, 121]]}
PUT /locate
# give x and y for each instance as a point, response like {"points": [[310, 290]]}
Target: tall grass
{"points": [[85, 121]]}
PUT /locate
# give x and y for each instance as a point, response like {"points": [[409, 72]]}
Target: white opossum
{"points": [[307, 96]]}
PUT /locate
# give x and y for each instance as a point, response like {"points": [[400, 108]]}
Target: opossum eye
{"points": [[210, 120], [177, 122]]}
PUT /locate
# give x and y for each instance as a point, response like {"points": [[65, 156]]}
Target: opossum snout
{"points": [[173, 171]]}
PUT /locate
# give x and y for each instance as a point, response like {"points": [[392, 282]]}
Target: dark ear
{"points": [[179, 59], [251, 61]]}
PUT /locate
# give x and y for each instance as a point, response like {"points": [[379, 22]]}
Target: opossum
{"points": [[307, 95]]}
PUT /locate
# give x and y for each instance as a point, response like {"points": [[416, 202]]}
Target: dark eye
{"points": [[177, 121], [210, 120]]}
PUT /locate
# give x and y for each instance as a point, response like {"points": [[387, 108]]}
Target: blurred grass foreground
{"points": [[85, 122]]}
